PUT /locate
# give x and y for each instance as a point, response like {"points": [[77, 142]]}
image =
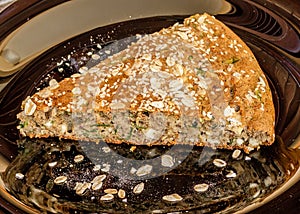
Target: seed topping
{"points": [[30, 107]]}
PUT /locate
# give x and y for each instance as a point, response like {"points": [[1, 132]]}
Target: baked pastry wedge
{"points": [[193, 83]]}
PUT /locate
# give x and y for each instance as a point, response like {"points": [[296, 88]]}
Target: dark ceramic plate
{"points": [[269, 30]]}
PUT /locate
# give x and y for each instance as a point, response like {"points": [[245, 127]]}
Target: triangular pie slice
{"points": [[193, 83]]}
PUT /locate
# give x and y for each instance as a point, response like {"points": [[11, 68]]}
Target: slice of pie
{"points": [[193, 83]]}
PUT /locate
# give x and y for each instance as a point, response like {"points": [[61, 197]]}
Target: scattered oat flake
{"points": [[172, 198], [219, 163], [60, 179], [167, 160], [111, 191], [97, 182], [139, 188], [144, 170], [99, 178], [78, 158], [236, 153], [121, 193], [201, 187], [178, 70], [97, 185], [175, 85], [170, 61], [188, 101], [183, 35], [107, 197], [80, 188]]}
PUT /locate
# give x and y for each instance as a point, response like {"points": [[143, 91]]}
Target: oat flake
{"points": [[173, 197], [144, 170], [107, 197], [219, 163], [201, 187], [139, 188]]}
